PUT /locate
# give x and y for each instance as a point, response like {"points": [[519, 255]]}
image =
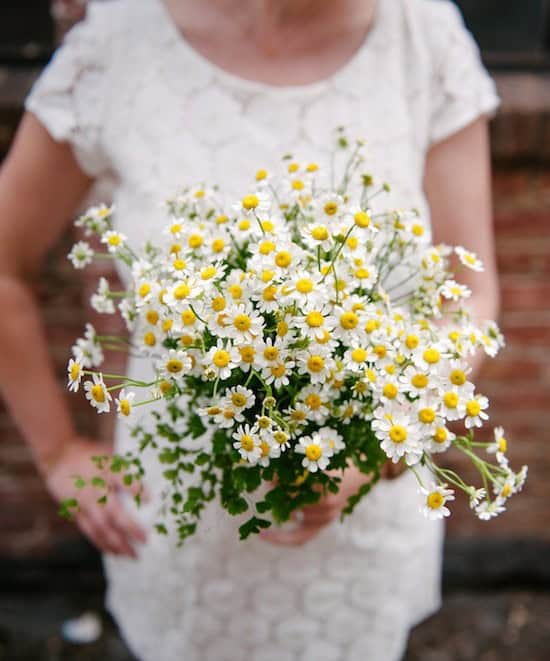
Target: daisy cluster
{"points": [[296, 320]]}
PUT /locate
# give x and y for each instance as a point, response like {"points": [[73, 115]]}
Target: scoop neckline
{"points": [[250, 84]]}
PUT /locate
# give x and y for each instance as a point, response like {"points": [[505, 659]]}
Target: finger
{"points": [[95, 535], [296, 537], [123, 522], [321, 515], [114, 539]]}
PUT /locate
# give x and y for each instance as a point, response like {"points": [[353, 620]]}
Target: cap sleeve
{"points": [[462, 88], [69, 96]]}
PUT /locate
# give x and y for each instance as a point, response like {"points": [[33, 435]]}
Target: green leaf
{"points": [[66, 508], [253, 526], [98, 482]]}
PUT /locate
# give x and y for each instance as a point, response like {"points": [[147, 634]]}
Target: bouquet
{"points": [[291, 335]]}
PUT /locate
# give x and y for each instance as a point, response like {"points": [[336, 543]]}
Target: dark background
{"points": [[496, 575]]}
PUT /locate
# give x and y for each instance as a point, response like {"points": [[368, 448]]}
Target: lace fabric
{"points": [[140, 108]]}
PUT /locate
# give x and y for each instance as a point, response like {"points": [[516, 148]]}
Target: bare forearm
{"points": [[27, 378]]}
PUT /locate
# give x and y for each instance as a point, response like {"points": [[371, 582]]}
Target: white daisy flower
{"points": [[222, 359], [125, 404], [487, 509], [87, 350], [316, 363], [441, 439], [81, 255], [399, 435], [101, 301], [114, 240], [247, 442], [97, 395], [500, 444], [240, 398], [436, 497], [455, 291], [316, 451], [469, 259], [332, 438], [175, 364], [74, 370], [475, 411], [244, 324]]}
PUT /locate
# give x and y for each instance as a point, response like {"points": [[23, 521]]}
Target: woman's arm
{"points": [[458, 187], [41, 185]]}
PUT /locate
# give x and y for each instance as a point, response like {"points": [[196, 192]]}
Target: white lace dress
{"points": [[145, 113]]}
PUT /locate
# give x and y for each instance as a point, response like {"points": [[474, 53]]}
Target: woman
{"points": [[152, 94]]}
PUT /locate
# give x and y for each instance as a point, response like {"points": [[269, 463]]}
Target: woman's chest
{"points": [[186, 125]]}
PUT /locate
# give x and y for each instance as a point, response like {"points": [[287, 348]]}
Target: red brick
{"points": [[525, 294]]}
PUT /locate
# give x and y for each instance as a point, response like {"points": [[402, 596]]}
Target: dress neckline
{"points": [[249, 84]]}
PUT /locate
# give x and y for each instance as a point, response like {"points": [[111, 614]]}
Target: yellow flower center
{"points": [[331, 207], [313, 452], [244, 224], [247, 442], [362, 219], [502, 444], [398, 433], [222, 219], [304, 285], [149, 339], [167, 325], [182, 291], [247, 354], [278, 370], [98, 393], [282, 328], [457, 377], [451, 400], [188, 317], [221, 358], [435, 500], [283, 259], [261, 174], [440, 435], [208, 272], [473, 408], [242, 322], [271, 353], [238, 399], [362, 273], [236, 291], [431, 355], [218, 304], [144, 289], [359, 355], [312, 167], [314, 319], [164, 387], [264, 446], [175, 228], [269, 293], [417, 230], [195, 241], [380, 350], [250, 202], [297, 184], [75, 371], [390, 391], [178, 264], [280, 437], [427, 415], [174, 366], [152, 317], [313, 401], [266, 247], [218, 245], [419, 380], [411, 341], [114, 240], [349, 320], [125, 407], [315, 363], [319, 233]]}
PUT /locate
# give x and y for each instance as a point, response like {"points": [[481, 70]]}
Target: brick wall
{"points": [[518, 382]]}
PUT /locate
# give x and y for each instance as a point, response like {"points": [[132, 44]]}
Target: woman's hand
{"points": [[313, 518], [107, 526]]}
